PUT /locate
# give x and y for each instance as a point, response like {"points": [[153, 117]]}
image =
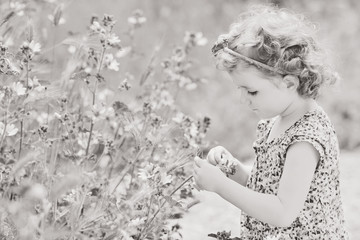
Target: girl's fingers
{"points": [[197, 161], [210, 157]]}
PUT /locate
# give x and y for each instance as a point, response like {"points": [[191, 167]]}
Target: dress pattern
{"points": [[322, 217]]}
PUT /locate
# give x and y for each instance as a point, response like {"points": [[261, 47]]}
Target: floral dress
{"points": [[322, 216]]}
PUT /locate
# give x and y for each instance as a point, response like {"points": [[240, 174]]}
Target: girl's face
{"points": [[260, 92]]}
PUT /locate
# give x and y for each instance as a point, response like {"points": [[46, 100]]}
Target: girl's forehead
{"points": [[249, 78], [252, 77]]}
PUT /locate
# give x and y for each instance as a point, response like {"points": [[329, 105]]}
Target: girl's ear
{"points": [[291, 82]]}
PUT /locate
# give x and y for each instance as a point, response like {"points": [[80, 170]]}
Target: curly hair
{"points": [[276, 41]]}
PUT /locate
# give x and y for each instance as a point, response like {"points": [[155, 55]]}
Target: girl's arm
{"points": [[278, 210]]}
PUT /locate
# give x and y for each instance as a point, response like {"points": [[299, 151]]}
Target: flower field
{"points": [[105, 104], [77, 163]]}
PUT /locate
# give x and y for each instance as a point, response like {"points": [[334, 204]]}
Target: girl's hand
{"points": [[207, 177], [222, 158], [218, 155]]}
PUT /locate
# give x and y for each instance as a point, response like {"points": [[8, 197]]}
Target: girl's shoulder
{"points": [[316, 128], [314, 123]]}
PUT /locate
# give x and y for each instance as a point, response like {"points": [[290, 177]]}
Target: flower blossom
{"points": [[137, 19], [110, 62], [11, 130], [18, 88]]}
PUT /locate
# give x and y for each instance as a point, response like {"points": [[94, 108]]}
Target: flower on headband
{"points": [[220, 44]]}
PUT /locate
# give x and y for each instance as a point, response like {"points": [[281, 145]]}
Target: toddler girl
{"points": [[293, 189]]}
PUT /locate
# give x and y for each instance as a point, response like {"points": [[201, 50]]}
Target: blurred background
{"points": [[232, 125]]}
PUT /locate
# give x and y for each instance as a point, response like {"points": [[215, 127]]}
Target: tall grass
{"points": [[76, 162]]}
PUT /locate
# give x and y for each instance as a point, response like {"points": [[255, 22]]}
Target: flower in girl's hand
{"points": [[227, 166]]}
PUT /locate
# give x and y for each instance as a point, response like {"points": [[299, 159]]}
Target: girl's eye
{"points": [[252, 93]]}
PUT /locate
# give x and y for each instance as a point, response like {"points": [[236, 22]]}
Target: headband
{"points": [[223, 45]]}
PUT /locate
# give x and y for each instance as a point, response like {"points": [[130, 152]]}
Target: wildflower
{"points": [[70, 197], [166, 98], [11, 130], [123, 52], [165, 178], [34, 82], [97, 28], [193, 130], [124, 85], [187, 83], [108, 20], [195, 39], [35, 47], [179, 55], [30, 48], [113, 40], [110, 62], [3, 49], [18, 88], [137, 19]]}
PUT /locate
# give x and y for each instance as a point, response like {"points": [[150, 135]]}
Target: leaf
{"points": [[172, 202], [7, 18], [81, 75]]}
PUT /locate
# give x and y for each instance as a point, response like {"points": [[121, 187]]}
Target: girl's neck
{"points": [[297, 109], [290, 115]]}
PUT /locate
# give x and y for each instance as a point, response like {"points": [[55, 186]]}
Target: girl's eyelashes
{"points": [[252, 93]]}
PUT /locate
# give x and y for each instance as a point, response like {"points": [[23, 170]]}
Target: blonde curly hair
{"points": [[276, 41]]}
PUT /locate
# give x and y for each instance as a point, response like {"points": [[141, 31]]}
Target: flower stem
{"points": [[21, 136], [157, 212], [94, 98]]}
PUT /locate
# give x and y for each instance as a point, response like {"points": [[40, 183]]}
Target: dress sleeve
{"points": [[312, 140], [313, 133]]}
